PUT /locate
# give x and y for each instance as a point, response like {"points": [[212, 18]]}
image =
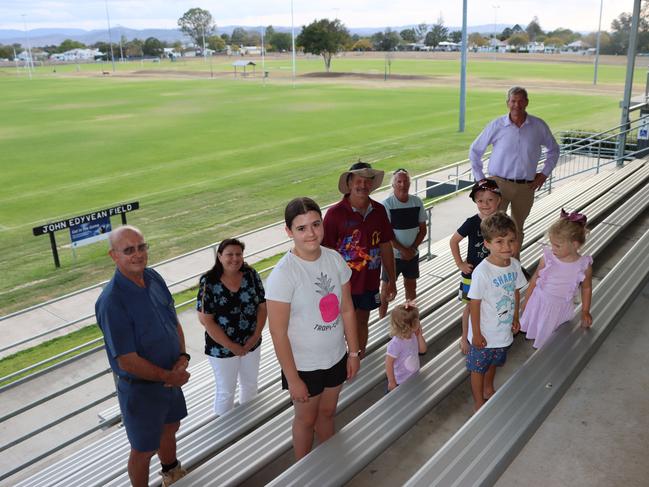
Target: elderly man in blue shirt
{"points": [[146, 350], [516, 140]]}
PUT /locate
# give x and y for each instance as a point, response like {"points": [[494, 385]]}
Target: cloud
{"points": [[582, 15]]}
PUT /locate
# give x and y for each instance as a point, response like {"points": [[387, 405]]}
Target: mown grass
{"points": [[25, 358], [208, 159]]}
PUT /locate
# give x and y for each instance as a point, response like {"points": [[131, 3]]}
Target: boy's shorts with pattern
{"points": [[480, 359], [465, 285]]}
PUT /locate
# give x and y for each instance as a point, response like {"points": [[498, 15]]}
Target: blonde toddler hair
{"points": [[403, 320], [568, 231]]}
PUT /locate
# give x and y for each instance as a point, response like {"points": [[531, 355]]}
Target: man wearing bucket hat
{"points": [[516, 139], [359, 229]]}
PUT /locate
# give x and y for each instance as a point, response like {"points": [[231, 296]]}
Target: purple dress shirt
{"points": [[516, 150]]}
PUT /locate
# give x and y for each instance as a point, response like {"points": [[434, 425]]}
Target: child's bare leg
{"points": [[488, 388], [477, 387], [464, 342]]}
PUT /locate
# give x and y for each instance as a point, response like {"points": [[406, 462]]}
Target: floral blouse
{"points": [[234, 312]]}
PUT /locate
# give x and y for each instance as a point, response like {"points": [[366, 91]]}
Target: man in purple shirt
{"points": [[516, 140]]}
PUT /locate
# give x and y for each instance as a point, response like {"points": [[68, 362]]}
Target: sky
{"points": [[578, 15]]}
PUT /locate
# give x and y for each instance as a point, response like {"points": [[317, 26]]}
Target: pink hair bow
{"points": [[574, 217]]}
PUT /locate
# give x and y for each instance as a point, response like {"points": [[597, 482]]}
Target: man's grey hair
{"points": [[115, 235], [516, 90], [396, 173]]}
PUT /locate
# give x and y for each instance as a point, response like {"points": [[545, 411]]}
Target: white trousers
{"points": [[226, 371]]}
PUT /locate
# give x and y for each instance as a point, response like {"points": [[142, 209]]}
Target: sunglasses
{"points": [[397, 171], [143, 247]]}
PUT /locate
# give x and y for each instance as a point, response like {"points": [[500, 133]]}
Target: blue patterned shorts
{"points": [[465, 285], [480, 359]]}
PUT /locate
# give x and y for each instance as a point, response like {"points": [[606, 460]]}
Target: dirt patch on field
{"points": [[373, 76], [378, 78]]}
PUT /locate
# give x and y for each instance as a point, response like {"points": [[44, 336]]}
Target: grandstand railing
{"points": [[456, 172]]}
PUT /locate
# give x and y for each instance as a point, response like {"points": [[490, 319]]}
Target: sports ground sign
{"points": [[85, 229]]}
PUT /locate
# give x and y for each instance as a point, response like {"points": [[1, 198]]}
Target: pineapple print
{"points": [[329, 305]]}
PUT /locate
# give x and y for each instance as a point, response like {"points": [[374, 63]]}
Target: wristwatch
{"points": [[354, 354], [186, 355]]}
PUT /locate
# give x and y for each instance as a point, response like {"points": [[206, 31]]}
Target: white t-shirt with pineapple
{"points": [[313, 289]]}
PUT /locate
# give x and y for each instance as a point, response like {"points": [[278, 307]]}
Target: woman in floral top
{"points": [[231, 306]]}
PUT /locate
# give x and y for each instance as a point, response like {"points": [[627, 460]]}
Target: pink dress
{"points": [[551, 303]]}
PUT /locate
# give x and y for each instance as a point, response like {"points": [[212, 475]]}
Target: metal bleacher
{"points": [[227, 467], [260, 429], [360, 441]]}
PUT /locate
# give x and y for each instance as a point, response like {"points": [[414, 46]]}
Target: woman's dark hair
{"points": [[300, 206], [215, 273]]}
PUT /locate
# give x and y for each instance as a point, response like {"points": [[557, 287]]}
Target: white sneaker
{"points": [[173, 475]]}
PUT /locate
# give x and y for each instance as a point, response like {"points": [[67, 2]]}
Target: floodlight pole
{"points": [[121, 49], [495, 7], [263, 55], [628, 85], [463, 68], [28, 62], [293, 43], [204, 51], [16, 61], [110, 39], [599, 33]]}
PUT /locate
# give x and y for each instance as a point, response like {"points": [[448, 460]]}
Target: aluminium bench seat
{"points": [[364, 438], [224, 463]]}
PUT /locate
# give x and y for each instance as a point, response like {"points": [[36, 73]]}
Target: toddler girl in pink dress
{"points": [[549, 297], [402, 358]]}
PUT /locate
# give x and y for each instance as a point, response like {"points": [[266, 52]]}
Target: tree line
{"points": [[327, 37]]}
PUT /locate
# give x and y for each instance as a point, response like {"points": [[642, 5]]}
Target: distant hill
{"points": [[47, 37]]}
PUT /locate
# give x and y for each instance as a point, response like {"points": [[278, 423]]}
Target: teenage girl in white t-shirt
{"points": [[312, 323]]}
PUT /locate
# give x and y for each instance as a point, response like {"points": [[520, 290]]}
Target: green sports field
{"points": [[210, 158]]}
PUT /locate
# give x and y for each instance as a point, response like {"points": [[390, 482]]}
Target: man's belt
{"points": [[133, 380], [518, 181]]}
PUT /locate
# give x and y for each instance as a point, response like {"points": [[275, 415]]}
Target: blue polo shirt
{"points": [[140, 320]]}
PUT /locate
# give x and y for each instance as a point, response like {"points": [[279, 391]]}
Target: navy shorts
{"points": [[146, 407], [317, 380], [480, 359], [409, 269], [368, 301]]}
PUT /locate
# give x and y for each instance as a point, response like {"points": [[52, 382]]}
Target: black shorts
{"points": [[368, 301], [317, 380], [409, 269]]}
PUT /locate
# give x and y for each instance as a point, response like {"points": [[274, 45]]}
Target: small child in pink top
{"points": [[561, 270], [402, 359]]}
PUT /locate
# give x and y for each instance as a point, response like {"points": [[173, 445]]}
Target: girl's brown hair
{"points": [[299, 206]]}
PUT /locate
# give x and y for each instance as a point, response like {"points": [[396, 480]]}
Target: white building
{"points": [[535, 47], [77, 55], [448, 46]]}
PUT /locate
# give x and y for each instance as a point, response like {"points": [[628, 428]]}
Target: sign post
{"points": [[85, 229]]}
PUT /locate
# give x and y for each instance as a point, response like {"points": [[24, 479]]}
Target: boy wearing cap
{"points": [[358, 228], [486, 195]]}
